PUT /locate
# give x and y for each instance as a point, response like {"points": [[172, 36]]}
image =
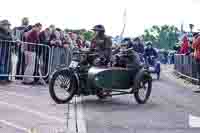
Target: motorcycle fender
{"points": [[64, 70], [77, 80], [58, 70], [140, 75]]}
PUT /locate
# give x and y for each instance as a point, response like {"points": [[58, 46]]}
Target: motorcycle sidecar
{"points": [[116, 78], [121, 81]]}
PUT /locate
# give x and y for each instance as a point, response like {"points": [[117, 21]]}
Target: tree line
{"points": [[162, 37]]}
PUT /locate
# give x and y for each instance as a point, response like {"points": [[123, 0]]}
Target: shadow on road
{"points": [[117, 104]]}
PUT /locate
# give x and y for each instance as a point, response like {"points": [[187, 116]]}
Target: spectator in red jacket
{"points": [[32, 52], [184, 46], [196, 47]]}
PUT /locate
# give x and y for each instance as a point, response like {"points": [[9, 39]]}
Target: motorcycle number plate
{"points": [[73, 64]]}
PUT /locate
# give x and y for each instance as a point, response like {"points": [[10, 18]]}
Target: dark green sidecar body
{"points": [[113, 78]]}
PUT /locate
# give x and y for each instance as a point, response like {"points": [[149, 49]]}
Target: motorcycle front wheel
{"points": [[62, 86], [144, 91]]}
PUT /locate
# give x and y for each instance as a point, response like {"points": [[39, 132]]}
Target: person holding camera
{"points": [[196, 47]]}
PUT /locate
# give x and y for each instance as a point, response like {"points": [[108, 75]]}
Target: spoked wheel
{"points": [[144, 91], [62, 87]]}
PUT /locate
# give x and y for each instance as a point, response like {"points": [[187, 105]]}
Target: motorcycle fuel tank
{"points": [[115, 78]]}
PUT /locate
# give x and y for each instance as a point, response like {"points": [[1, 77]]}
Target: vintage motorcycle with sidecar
{"points": [[82, 77]]}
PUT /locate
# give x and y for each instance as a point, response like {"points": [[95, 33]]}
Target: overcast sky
{"points": [[141, 14]]}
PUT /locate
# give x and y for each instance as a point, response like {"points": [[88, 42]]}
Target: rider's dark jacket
{"points": [[103, 45], [139, 48], [131, 59], [150, 52]]}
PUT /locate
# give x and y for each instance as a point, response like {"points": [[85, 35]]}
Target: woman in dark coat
{"points": [[5, 50]]}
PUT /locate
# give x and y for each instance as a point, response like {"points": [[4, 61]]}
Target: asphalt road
{"points": [[167, 111], [25, 108]]}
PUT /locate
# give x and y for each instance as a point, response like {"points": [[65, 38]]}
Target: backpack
{"points": [[19, 32]]}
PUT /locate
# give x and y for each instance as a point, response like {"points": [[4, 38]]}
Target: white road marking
{"points": [[50, 101], [20, 95], [81, 120], [194, 121], [14, 125], [42, 115], [81, 124]]}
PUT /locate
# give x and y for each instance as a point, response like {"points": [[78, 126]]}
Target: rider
{"points": [[150, 52], [131, 58], [138, 46], [102, 43]]}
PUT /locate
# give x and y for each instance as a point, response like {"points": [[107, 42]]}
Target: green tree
{"points": [[88, 35], [164, 36]]}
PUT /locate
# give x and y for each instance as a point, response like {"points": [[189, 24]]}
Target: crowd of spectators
{"points": [[191, 48], [32, 45]]}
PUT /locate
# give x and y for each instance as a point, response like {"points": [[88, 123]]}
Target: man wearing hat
{"points": [[101, 43], [5, 49]]}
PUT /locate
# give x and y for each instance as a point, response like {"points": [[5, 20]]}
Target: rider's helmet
{"points": [[149, 43], [99, 28], [124, 45]]}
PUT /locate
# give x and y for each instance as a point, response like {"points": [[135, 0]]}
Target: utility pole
{"points": [[191, 27], [182, 27], [124, 23]]}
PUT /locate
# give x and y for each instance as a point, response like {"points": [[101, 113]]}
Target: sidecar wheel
{"points": [[144, 91], [65, 83]]}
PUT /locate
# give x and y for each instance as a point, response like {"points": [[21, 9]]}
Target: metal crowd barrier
{"points": [[23, 59], [60, 57], [186, 65]]}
